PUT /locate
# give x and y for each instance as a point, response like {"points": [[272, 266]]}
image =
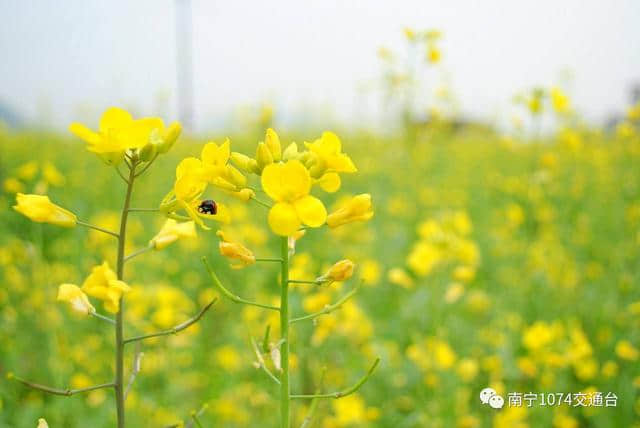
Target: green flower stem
{"points": [[144, 210], [102, 317], [348, 391], [328, 308], [174, 330], [90, 226], [284, 332], [146, 166], [119, 353], [55, 391], [302, 281], [138, 252], [228, 294], [267, 259]]}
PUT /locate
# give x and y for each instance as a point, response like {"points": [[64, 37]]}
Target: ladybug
{"points": [[208, 207]]}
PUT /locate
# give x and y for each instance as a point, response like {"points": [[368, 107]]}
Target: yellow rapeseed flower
{"points": [[103, 284], [433, 54], [172, 231], [328, 156], [626, 351], [118, 132], [358, 208], [42, 423], [40, 209], [73, 295], [289, 184]]}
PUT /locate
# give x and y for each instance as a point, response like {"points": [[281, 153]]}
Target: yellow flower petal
{"points": [[212, 154], [283, 219], [84, 133], [329, 182], [286, 182], [114, 118], [311, 211]]}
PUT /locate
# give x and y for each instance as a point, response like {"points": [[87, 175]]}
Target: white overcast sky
{"points": [[66, 57]]}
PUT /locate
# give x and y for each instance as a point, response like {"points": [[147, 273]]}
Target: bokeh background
{"points": [[501, 153]]}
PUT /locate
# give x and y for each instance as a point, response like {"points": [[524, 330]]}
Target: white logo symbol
{"points": [[490, 396]]}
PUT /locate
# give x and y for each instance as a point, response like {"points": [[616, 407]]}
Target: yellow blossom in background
{"points": [[172, 231], [433, 54], [559, 100], [76, 298], [289, 185], [103, 284], [399, 276], [235, 251], [358, 208], [42, 423], [40, 209], [626, 351], [340, 271]]}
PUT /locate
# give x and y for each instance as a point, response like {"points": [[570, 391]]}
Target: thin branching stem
{"points": [[137, 364], [91, 226], [146, 167], [195, 417], [174, 330], [345, 392], [55, 391], [261, 362], [328, 308], [102, 317], [268, 259], [303, 281], [138, 252], [229, 295]]}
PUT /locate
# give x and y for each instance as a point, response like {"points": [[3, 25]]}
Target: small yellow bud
{"points": [[243, 195], [272, 141], [359, 208], [235, 176], [244, 162], [40, 209], [263, 156], [42, 423], [340, 271]]}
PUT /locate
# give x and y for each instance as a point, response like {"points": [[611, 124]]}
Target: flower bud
{"points": [[272, 141], [235, 176], [340, 271], [148, 152], [244, 162], [40, 209], [244, 195], [263, 156]]}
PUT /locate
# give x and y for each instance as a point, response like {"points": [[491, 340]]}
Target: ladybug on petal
{"points": [[208, 207]]}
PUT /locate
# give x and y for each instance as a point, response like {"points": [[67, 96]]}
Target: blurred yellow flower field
{"points": [[489, 262]]}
